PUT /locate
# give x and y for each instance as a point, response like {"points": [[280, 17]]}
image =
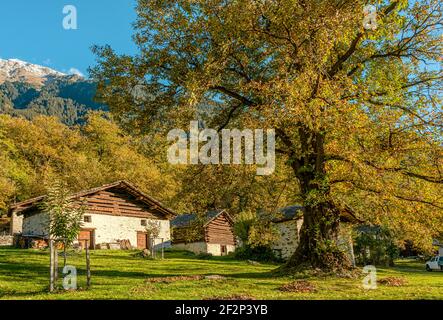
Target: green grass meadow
{"points": [[24, 274]]}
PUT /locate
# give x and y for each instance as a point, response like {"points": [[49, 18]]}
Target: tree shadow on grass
{"points": [[17, 295], [36, 271], [171, 273], [17, 271], [256, 275]]}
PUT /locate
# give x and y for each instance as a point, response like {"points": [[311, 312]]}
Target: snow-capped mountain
{"points": [[14, 70]]}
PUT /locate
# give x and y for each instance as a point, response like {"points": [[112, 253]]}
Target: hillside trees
{"points": [[67, 98], [36, 153]]}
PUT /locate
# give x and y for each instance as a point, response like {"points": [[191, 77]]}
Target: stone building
{"points": [[439, 244], [114, 212], [211, 234], [289, 223]]}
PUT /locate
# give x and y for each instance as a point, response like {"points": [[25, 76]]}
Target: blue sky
{"points": [[33, 31]]}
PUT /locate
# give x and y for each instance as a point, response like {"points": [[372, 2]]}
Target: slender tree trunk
{"points": [[51, 265], [55, 264], [88, 266], [64, 254], [317, 246]]}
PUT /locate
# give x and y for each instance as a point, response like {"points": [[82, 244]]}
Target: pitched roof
{"points": [[128, 187], [184, 220], [295, 212], [290, 213]]}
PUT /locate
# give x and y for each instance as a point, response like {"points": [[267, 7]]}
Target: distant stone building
{"points": [[439, 244], [114, 212], [289, 225], [211, 234]]}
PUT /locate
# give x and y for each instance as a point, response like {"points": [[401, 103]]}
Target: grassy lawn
{"points": [[122, 275]]}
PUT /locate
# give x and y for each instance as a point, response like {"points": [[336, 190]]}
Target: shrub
{"points": [[204, 256], [255, 230], [258, 253], [375, 245], [257, 234]]}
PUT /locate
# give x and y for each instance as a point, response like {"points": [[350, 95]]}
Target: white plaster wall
{"points": [[440, 251], [196, 247], [16, 224], [112, 228], [107, 228], [36, 225], [203, 247], [215, 249]]}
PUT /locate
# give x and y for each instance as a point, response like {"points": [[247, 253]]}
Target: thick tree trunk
{"points": [[317, 246]]}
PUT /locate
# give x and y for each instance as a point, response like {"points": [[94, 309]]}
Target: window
{"points": [[87, 219], [143, 222]]}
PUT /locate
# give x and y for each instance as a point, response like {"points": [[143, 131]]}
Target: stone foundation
{"points": [[6, 240]]}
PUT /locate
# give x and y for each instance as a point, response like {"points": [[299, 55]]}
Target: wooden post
{"points": [[163, 249], [55, 264], [88, 265], [51, 265]]}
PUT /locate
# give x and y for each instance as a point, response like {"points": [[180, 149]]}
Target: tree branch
{"points": [[234, 95]]}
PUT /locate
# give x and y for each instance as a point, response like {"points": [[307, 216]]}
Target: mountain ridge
{"points": [[28, 90]]}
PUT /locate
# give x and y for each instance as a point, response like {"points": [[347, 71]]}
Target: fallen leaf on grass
{"points": [[393, 281], [174, 279], [298, 286], [232, 297]]}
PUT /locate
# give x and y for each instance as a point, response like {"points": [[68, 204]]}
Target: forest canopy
{"points": [[36, 153]]}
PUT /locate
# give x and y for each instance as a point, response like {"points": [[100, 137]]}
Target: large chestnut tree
{"points": [[357, 111]]}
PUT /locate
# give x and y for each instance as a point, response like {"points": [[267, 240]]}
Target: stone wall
{"points": [[286, 244], [36, 225], [288, 241]]}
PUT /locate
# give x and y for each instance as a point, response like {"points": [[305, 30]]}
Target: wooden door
{"points": [[142, 240], [86, 236]]}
